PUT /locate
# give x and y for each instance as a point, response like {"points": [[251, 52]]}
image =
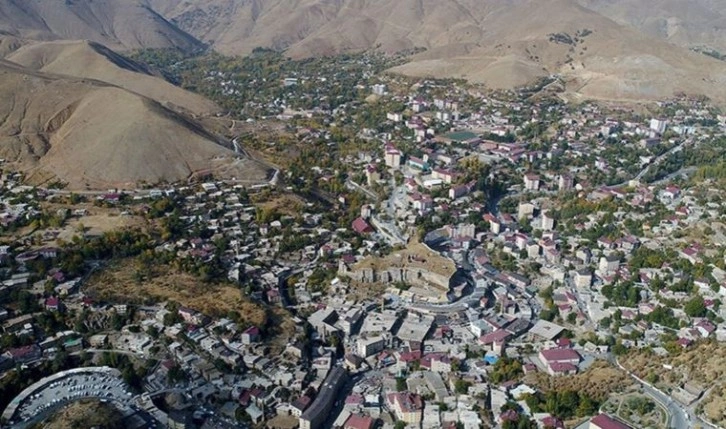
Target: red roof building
{"points": [[357, 421], [560, 361], [361, 226], [603, 421]]}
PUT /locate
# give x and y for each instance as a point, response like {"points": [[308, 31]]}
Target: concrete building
{"points": [[531, 182], [548, 221], [583, 279], [372, 175], [609, 264], [317, 413], [560, 361], [565, 182], [393, 157], [407, 406], [370, 346], [658, 125]]}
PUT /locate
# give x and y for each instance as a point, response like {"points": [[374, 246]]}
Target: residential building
{"points": [[407, 406], [531, 182], [316, 415], [602, 421]]}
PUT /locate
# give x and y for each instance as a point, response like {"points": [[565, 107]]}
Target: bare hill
{"points": [[90, 134], [692, 23], [120, 24], [502, 43], [596, 57], [94, 61]]}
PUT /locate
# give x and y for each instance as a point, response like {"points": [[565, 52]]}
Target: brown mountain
{"points": [[92, 134], [502, 43], [692, 23], [119, 24], [94, 61]]}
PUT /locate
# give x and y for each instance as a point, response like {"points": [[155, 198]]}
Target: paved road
{"points": [[370, 194], [655, 162], [678, 417]]}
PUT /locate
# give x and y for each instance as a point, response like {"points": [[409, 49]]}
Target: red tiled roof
{"points": [[605, 422], [498, 335], [361, 226], [356, 421], [560, 355]]}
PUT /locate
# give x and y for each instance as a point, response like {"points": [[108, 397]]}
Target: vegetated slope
{"points": [[94, 61], [692, 24], [120, 24], [93, 135], [502, 43]]}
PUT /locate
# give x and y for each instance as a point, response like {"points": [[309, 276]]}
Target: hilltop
{"points": [[692, 24], [92, 60], [93, 135], [128, 24]]}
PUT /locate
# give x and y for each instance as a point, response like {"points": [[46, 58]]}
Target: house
{"points": [[560, 361], [353, 362], [494, 223], [491, 339], [192, 316], [298, 406], [372, 175], [407, 406], [446, 175], [458, 191], [360, 226], [418, 164], [370, 346], [692, 254], [609, 264], [531, 182], [705, 328], [672, 192], [357, 421], [25, 354], [393, 157], [250, 335], [53, 304], [602, 421], [565, 182], [583, 279]]}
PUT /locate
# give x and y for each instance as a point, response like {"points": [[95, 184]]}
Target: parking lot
{"points": [[69, 388]]}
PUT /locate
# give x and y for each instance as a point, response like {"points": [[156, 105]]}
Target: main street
{"points": [[678, 416]]}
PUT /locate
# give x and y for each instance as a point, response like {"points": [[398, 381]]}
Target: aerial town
{"points": [[437, 256]]}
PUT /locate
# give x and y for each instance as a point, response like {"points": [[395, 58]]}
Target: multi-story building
{"points": [[316, 415], [407, 406], [531, 182], [370, 346]]}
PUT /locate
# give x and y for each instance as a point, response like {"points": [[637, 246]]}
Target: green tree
{"points": [[401, 384], [696, 307]]}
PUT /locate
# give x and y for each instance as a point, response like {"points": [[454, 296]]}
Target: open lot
{"points": [[118, 284], [416, 255]]}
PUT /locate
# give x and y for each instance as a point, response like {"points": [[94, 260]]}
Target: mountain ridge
{"points": [[95, 135], [503, 44], [120, 25]]}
